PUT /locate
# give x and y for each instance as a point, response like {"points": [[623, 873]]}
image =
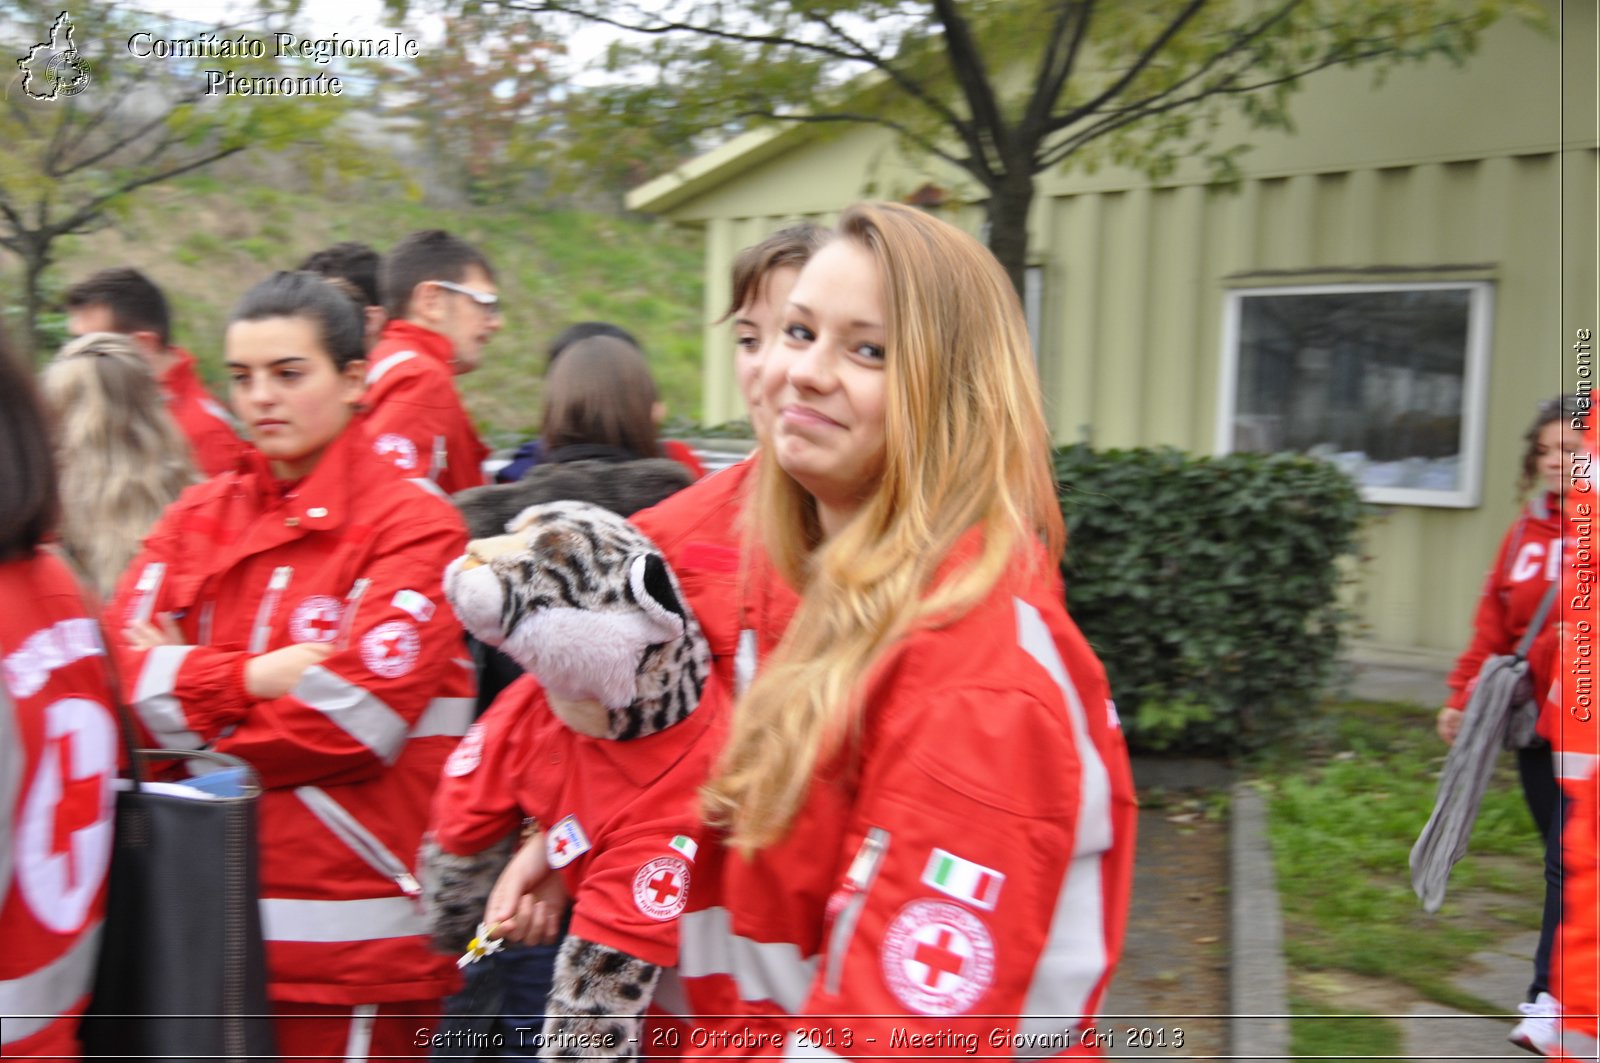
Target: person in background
{"points": [[358, 264], [443, 306], [121, 459], [1528, 561], [291, 614], [58, 751], [126, 301], [532, 452], [699, 530]]}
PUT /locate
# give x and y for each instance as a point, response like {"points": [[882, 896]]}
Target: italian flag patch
{"points": [[964, 880], [685, 845]]}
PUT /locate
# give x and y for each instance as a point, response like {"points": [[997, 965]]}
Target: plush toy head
{"points": [[581, 599]]}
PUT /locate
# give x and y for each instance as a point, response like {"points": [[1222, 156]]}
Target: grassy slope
{"points": [[205, 241]]}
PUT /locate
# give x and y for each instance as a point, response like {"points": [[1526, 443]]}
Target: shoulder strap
{"points": [[1538, 618]]}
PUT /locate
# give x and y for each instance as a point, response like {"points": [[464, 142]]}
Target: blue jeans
{"points": [[502, 1004], [1536, 769]]}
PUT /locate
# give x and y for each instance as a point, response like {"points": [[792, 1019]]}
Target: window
{"points": [[1386, 381]]}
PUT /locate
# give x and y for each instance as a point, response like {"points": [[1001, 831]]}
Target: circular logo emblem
{"points": [[661, 888], [316, 619], [391, 648], [467, 753], [397, 448], [69, 71], [938, 958]]}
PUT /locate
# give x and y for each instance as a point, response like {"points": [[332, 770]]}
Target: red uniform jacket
{"points": [[1527, 562], [415, 418], [352, 555], [213, 443], [972, 861], [1574, 707], [611, 811], [58, 757]]}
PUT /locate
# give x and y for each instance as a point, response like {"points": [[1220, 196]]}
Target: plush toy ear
{"points": [[652, 589]]}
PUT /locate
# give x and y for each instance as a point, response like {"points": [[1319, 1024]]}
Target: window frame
{"points": [[1474, 388]]}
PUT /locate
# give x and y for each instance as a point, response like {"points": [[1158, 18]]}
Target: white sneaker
{"points": [[1539, 1032]]}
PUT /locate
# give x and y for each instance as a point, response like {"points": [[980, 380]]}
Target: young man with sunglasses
{"points": [[443, 306]]}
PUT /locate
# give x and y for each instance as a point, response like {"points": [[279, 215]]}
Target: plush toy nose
{"points": [[469, 563]]}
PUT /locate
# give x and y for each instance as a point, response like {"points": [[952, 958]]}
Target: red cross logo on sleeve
{"points": [[316, 619], [661, 888], [665, 887], [937, 958], [561, 846]]}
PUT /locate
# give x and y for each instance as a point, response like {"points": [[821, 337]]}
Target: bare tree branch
{"points": [[1145, 59], [1055, 67], [966, 63]]}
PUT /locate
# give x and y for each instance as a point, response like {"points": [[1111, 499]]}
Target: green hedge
{"points": [[1208, 586]]}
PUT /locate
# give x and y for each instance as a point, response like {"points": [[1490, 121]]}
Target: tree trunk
{"points": [[1010, 201], [34, 263]]}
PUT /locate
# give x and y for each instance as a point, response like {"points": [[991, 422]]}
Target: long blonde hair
{"points": [[966, 447], [121, 458]]}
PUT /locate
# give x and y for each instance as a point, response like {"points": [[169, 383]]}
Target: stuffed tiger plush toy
{"points": [[586, 604]]}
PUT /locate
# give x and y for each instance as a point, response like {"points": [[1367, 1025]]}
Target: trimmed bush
{"points": [[1208, 586]]}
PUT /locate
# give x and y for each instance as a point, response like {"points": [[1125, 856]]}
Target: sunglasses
{"points": [[490, 303]]}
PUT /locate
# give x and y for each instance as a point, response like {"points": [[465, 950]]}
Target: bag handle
{"points": [[1538, 620], [119, 708]]}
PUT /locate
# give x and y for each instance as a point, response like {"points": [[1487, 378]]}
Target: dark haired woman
{"points": [[58, 751], [1528, 562], [290, 614]]}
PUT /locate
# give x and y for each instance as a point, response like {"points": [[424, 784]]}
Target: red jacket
{"points": [[213, 443], [972, 862], [1574, 707], [1527, 562], [58, 757], [415, 418], [353, 554], [627, 800]]}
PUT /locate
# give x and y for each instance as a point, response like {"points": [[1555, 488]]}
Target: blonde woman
{"points": [[122, 459], [924, 806]]}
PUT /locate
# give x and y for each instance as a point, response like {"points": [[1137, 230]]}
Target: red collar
{"points": [[321, 500], [180, 376], [422, 340]]}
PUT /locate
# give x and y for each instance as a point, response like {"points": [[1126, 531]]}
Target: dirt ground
{"points": [[1170, 997]]}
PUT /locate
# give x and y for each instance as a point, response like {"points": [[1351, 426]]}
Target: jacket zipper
{"points": [[858, 882], [359, 839], [269, 605]]}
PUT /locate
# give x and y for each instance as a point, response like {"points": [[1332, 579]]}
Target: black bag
{"points": [[182, 971]]}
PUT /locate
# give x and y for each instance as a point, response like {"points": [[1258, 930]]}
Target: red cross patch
{"points": [[938, 958], [391, 648], [316, 619], [398, 449], [661, 888]]}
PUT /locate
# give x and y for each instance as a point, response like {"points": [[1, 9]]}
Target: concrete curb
{"points": [[1258, 983]]}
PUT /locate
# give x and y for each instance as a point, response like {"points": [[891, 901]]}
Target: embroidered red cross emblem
{"points": [[78, 809], [938, 957], [391, 645], [665, 886], [321, 624], [561, 845]]}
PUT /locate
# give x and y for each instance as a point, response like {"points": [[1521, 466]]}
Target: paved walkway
{"points": [[1499, 975]]}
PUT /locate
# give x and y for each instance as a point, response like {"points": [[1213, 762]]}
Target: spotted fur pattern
{"points": [[455, 889], [595, 1003], [575, 556]]}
